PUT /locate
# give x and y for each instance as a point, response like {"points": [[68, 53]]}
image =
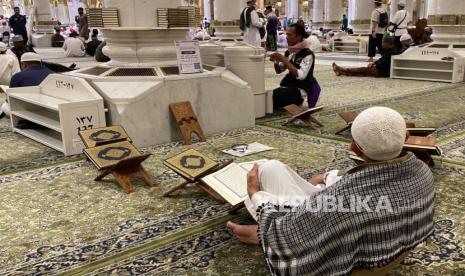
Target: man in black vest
{"points": [[299, 60]]}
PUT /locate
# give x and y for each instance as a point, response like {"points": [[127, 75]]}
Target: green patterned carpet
{"points": [[55, 219]]}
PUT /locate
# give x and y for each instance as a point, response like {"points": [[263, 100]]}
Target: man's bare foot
{"points": [[370, 60], [245, 233], [336, 69]]}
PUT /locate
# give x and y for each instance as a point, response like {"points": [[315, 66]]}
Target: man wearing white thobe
{"points": [[252, 24], [9, 65], [398, 24]]}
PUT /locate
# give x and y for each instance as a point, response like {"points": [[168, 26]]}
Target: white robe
{"points": [[252, 34], [9, 66], [282, 186]]}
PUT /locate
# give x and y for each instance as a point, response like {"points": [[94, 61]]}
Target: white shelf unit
{"points": [[427, 64], [60, 107], [350, 46]]}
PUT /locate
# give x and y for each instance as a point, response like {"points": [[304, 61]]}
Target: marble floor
{"points": [[54, 219]]}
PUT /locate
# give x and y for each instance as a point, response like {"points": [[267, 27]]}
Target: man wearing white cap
{"points": [[398, 24], [32, 74], [251, 24], [370, 217], [9, 65], [406, 42]]}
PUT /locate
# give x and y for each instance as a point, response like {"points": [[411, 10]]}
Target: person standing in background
{"points": [[379, 23], [83, 25], [250, 24], [271, 29], [398, 24], [18, 24], [345, 23]]}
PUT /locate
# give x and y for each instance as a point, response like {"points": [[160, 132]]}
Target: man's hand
{"points": [[319, 179], [277, 57], [253, 183]]}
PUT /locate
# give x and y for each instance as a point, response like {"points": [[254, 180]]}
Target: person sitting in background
{"points": [[93, 44], [20, 47], [73, 46], [99, 56], [379, 68], [32, 74], [406, 42], [367, 220], [4, 32], [57, 39], [9, 65], [299, 60]]}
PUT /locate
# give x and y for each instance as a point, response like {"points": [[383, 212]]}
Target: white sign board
{"points": [[189, 59]]}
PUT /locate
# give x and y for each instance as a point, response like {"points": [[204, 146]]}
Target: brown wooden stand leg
{"points": [[142, 174], [124, 180], [312, 119], [236, 208], [179, 187], [342, 130]]}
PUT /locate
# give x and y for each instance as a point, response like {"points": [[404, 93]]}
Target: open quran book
{"points": [[231, 181]]}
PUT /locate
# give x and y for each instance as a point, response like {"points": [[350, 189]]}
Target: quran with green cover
{"points": [[105, 135], [109, 155], [191, 164]]}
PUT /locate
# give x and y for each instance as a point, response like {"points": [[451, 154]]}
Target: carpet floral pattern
{"points": [[54, 219]]}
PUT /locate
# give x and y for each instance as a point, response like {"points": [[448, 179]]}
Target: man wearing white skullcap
{"points": [[32, 74], [398, 24], [407, 42], [299, 225]]}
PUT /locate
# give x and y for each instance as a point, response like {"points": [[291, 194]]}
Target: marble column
{"points": [[261, 4], [62, 12], [293, 9], [409, 7], [207, 10], [139, 41], [227, 16], [318, 13], [44, 24], [334, 9], [447, 18], [360, 15]]}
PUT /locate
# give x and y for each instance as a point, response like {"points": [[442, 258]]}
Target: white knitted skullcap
{"points": [[380, 133], [405, 37], [402, 4], [30, 56], [2, 47]]}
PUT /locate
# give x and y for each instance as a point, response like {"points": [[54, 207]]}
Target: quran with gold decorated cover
{"points": [[191, 164], [110, 154], [105, 135]]}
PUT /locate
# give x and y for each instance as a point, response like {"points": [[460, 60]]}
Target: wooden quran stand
{"points": [[349, 118], [197, 181], [299, 113], [187, 121], [127, 169]]}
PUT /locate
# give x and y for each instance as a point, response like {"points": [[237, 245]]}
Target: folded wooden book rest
{"points": [[194, 167], [187, 121], [111, 151], [349, 118], [304, 115]]}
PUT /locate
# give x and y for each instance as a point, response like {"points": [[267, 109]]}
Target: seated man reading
{"points": [[299, 60], [368, 217], [379, 68]]}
